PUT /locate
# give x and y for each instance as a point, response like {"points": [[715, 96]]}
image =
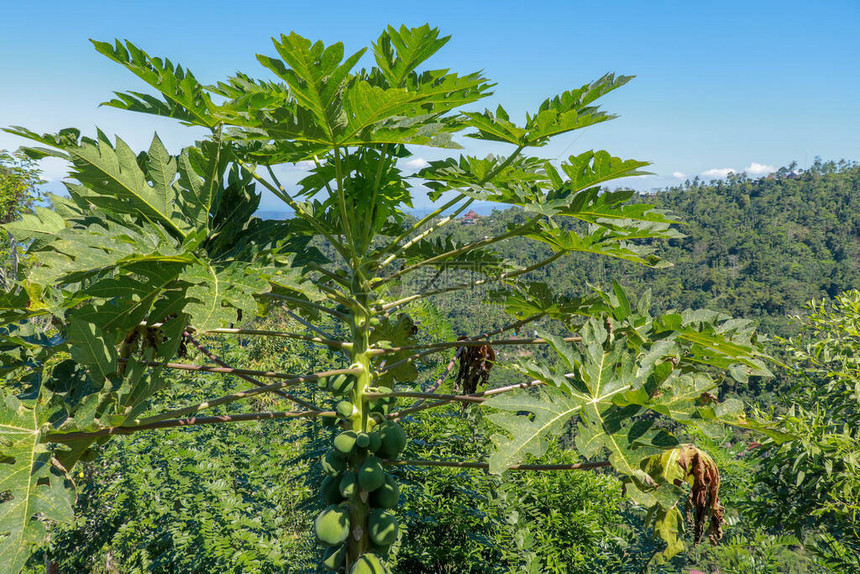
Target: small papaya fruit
{"points": [[347, 485], [387, 495], [382, 526], [341, 384], [371, 475], [330, 490], [345, 442], [333, 463], [362, 440], [334, 558], [369, 564], [393, 439], [332, 525], [375, 441], [345, 409]]}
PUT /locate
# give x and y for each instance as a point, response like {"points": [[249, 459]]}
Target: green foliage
{"points": [[813, 481], [19, 178], [151, 245]]}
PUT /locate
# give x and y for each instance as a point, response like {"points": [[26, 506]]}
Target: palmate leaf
{"points": [[529, 299], [218, 292], [571, 110], [593, 168], [516, 183], [551, 410], [184, 97], [114, 180], [37, 227], [316, 76], [609, 242], [399, 52], [34, 491]]}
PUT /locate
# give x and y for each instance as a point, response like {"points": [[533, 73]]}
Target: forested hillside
{"points": [[754, 248]]}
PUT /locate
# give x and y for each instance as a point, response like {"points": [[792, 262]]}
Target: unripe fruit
{"points": [[345, 442], [341, 384], [393, 439], [347, 484], [369, 564], [345, 409], [383, 527], [362, 440], [332, 525], [371, 475], [334, 557], [375, 441], [330, 490], [387, 495], [333, 463]]}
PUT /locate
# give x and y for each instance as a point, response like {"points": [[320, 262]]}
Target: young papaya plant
{"points": [[151, 248]]}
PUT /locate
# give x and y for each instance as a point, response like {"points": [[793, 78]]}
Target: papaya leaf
{"points": [[398, 52], [550, 412], [185, 98], [34, 490], [571, 110]]}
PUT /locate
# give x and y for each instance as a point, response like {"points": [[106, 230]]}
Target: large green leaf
{"points": [[550, 412], [184, 97], [399, 52], [571, 110], [33, 489]]}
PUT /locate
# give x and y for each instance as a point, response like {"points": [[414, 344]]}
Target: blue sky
{"points": [[720, 85]]}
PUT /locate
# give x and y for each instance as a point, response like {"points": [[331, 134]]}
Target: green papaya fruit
{"points": [[371, 475], [332, 525], [387, 495], [393, 440], [345, 409], [342, 384], [345, 441], [330, 490], [348, 484], [383, 527], [334, 557], [369, 564], [375, 441], [362, 440], [333, 463]]}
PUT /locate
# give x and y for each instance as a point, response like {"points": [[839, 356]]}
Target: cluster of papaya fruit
{"points": [[355, 476]]}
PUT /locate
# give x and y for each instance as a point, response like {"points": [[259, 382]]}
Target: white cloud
{"points": [[416, 163], [679, 175], [757, 169], [718, 173]]}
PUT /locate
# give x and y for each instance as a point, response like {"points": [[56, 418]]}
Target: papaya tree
{"points": [[151, 249]]}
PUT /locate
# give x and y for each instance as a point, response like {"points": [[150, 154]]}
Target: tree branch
{"points": [[244, 394], [266, 333], [213, 357], [170, 423], [417, 356], [493, 173], [486, 466], [400, 414], [471, 342], [471, 284], [456, 252], [208, 369], [298, 301]]}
